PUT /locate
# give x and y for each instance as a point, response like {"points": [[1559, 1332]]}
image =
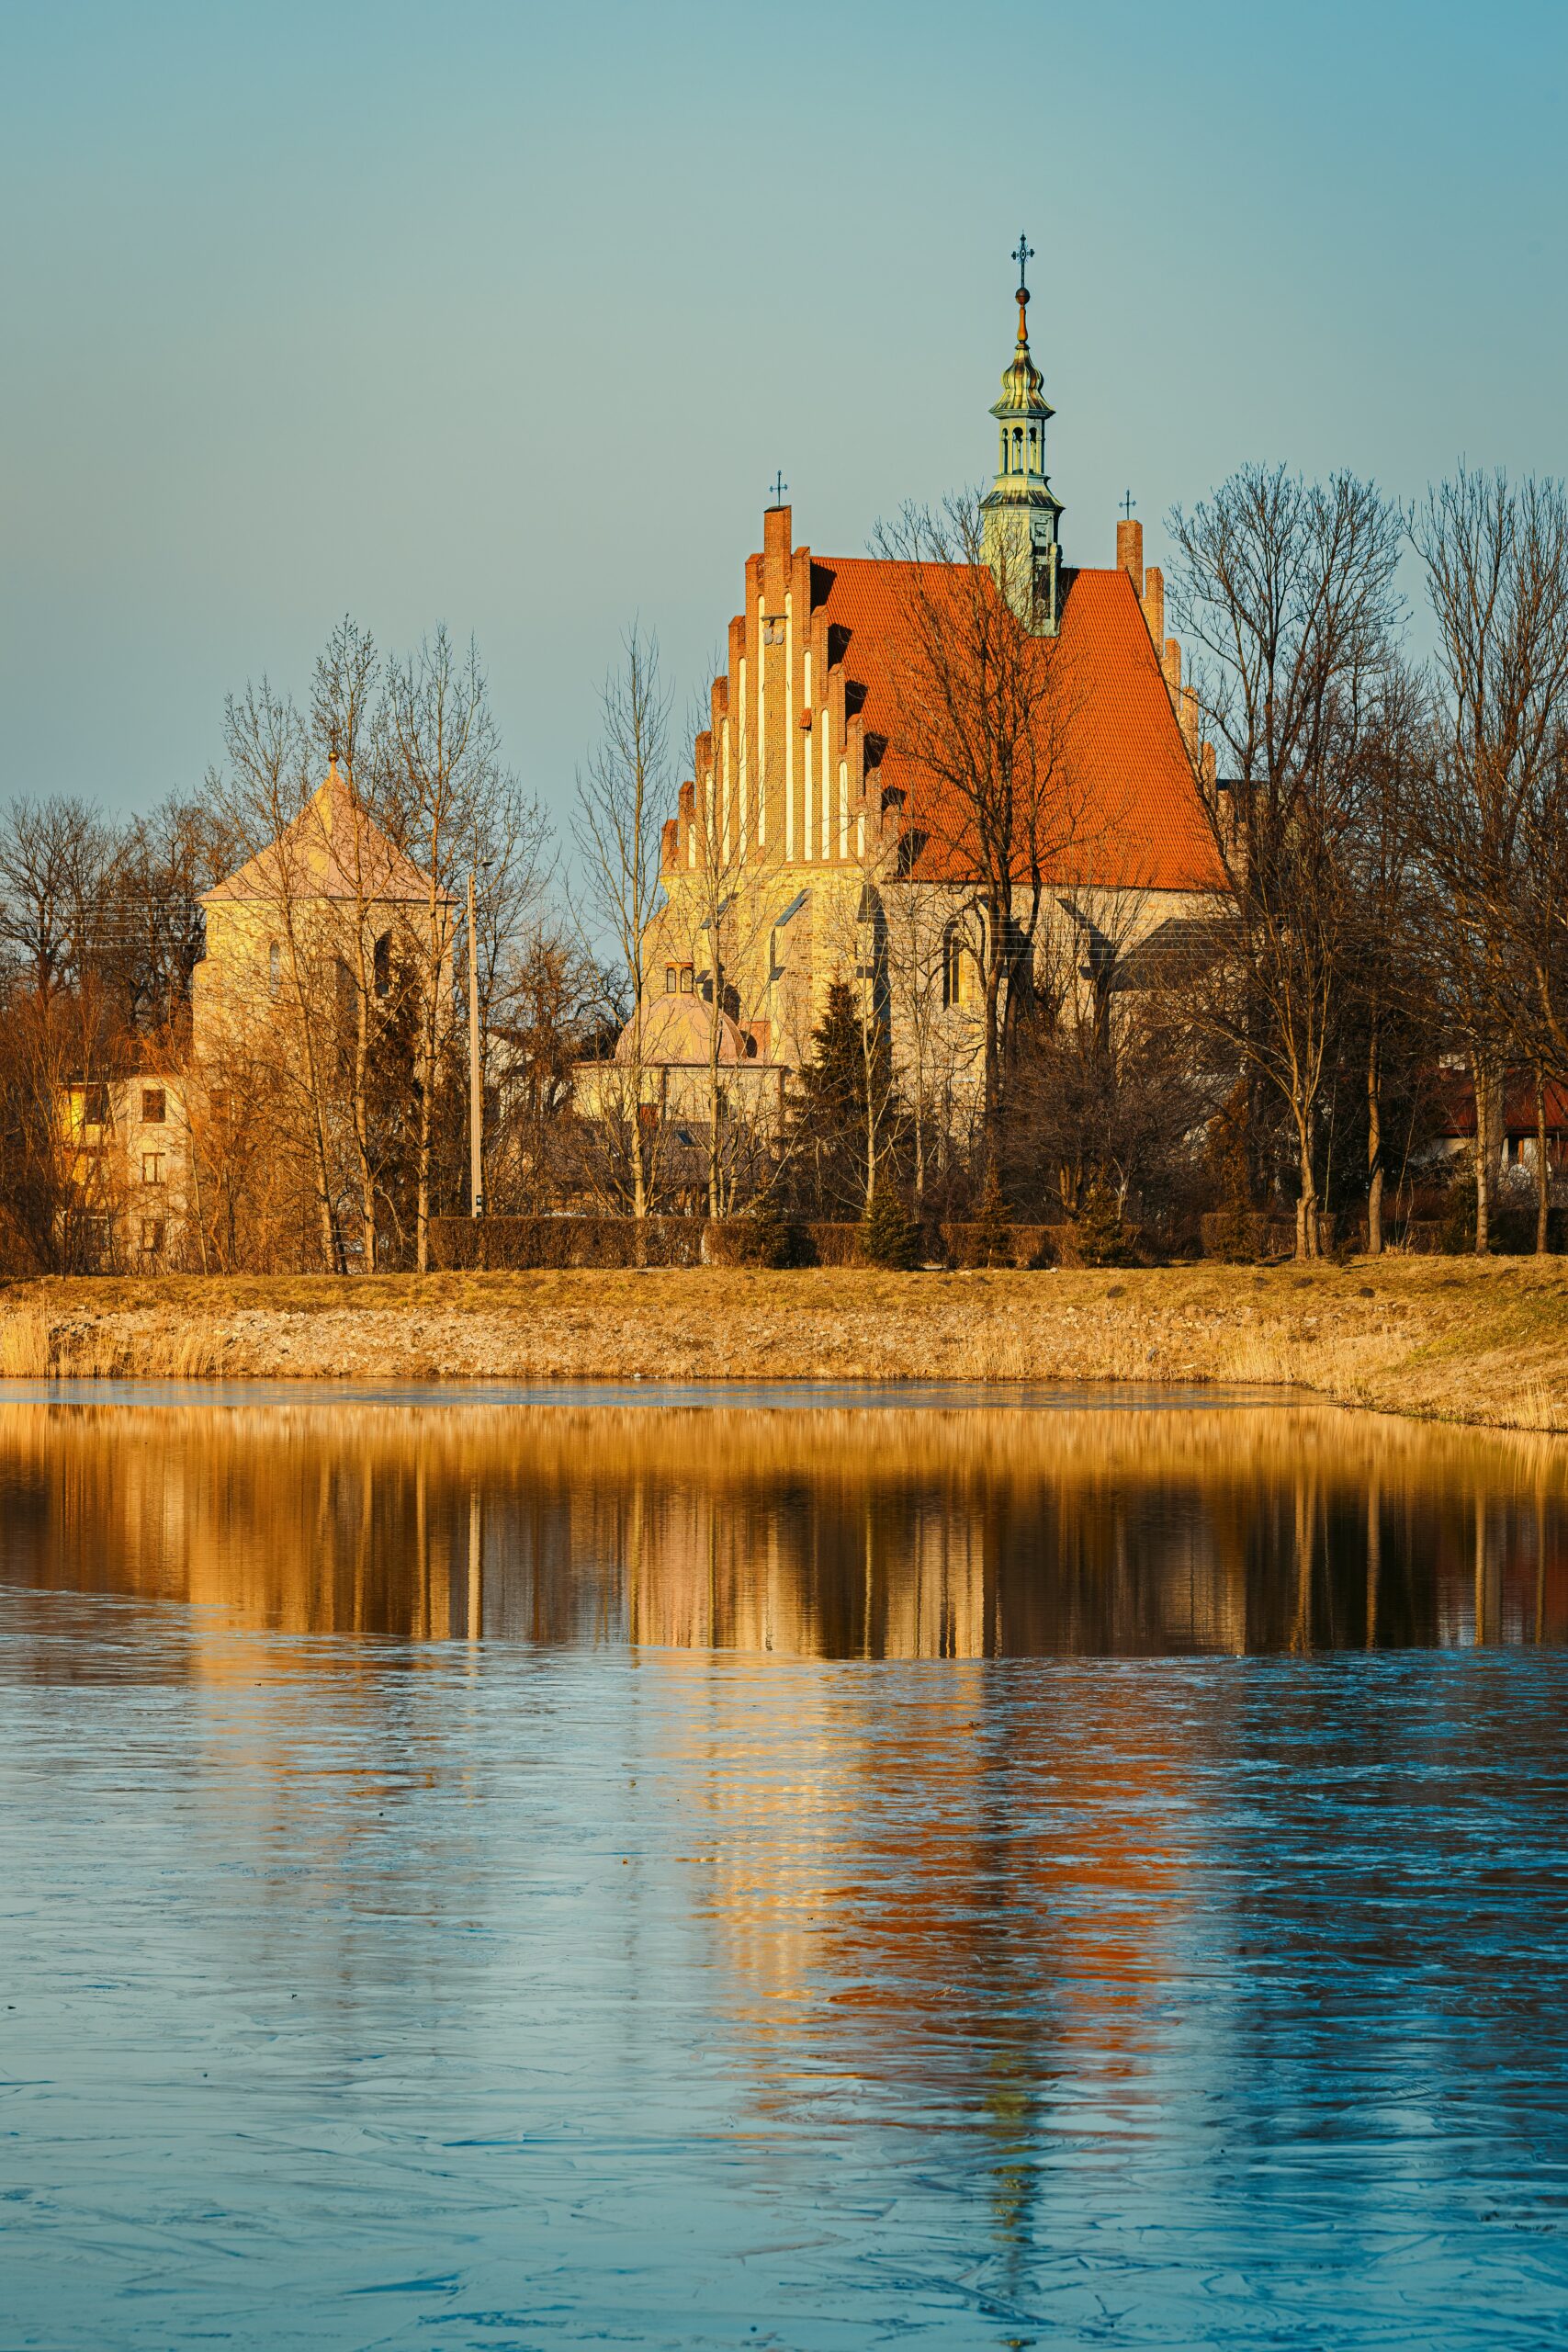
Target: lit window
{"points": [[153, 1106], [151, 1166]]}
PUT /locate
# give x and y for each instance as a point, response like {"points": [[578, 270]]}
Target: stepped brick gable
{"points": [[825, 803]]}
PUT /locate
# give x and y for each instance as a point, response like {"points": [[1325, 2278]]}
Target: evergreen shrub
{"points": [[890, 1235], [1100, 1237]]}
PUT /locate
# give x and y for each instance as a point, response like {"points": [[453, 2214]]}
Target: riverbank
{"points": [[1440, 1339]]}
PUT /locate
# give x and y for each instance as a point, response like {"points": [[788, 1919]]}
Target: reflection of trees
{"points": [[893, 1533], [1021, 1914]]}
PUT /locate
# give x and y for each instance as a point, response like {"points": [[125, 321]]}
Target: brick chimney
{"points": [[775, 553], [1130, 554], [1187, 711], [1153, 602]]}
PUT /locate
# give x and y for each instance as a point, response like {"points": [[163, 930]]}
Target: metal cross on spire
{"points": [[779, 488], [1023, 253], [1128, 502]]}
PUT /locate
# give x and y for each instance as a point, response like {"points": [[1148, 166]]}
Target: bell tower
{"points": [[1022, 513]]}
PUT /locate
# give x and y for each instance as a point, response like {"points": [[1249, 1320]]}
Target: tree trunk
{"points": [[421, 1214], [991, 1106], [1374, 1148], [361, 1123], [1480, 1081], [1307, 1207], [332, 1253], [1542, 1171]]}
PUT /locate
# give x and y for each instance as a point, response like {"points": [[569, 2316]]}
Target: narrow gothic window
{"points": [[384, 964], [952, 968], [274, 967]]}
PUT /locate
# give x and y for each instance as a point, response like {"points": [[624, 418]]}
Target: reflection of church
{"points": [[894, 1532], [814, 841]]}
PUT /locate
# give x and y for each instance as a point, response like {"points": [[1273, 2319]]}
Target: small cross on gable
{"points": [[1023, 253], [1128, 502], [776, 494]]}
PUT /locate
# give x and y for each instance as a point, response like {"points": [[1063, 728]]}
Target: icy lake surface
{"points": [[797, 1872]]}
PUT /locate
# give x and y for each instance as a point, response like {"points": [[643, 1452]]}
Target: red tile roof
{"points": [[1456, 1096], [1138, 821]]}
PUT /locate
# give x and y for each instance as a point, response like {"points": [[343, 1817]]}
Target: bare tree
{"points": [[541, 1003], [1286, 588], [443, 768], [932, 1044], [56, 859], [1495, 555], [986, 711], [265, 794], [622, 791], [1389, 966], [350, 730]]}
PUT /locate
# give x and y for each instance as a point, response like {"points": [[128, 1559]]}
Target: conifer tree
{"points": [[991, 1240], [833, 1101], [888, 1232]]}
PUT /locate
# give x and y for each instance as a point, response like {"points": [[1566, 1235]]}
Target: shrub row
{"points": [[496, 1244], [499, 1244]]}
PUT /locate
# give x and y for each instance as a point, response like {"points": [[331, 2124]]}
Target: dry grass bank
{"points": [[1442, 1338]]}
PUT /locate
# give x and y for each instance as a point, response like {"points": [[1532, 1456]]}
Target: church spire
{"points": [[1023, 512]]}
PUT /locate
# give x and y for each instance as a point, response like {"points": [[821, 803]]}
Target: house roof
{"points": [[677, 1029], [333, 850], [1135, 821], [1456, 1098]]}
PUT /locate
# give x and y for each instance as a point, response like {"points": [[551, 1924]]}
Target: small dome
{"points": [[680, 1029]]}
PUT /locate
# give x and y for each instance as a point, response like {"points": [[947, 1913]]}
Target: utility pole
{"points": [[475, 1090]]}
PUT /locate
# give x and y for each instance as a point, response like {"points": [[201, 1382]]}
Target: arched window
{"points": [[273, 968], [383, 959]]}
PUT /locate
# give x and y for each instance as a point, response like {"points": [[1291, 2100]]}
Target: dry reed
{"points": [[1442, 1339]]}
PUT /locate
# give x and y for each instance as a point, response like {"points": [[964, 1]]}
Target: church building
{"points": [[815, 841]]}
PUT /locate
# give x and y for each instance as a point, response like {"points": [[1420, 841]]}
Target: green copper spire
{"points": [[1021, 512]]}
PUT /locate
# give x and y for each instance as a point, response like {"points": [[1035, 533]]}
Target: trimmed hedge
{"points": [[1248, 1236], [500, 1244], [508, 1244], [513, 1243], [971, 1245]]}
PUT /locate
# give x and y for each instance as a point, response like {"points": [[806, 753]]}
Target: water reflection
{"points": [[653, 1979], [827, 1533]]}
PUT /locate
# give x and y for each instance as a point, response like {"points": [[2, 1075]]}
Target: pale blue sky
{"points": [[505, 315]]}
